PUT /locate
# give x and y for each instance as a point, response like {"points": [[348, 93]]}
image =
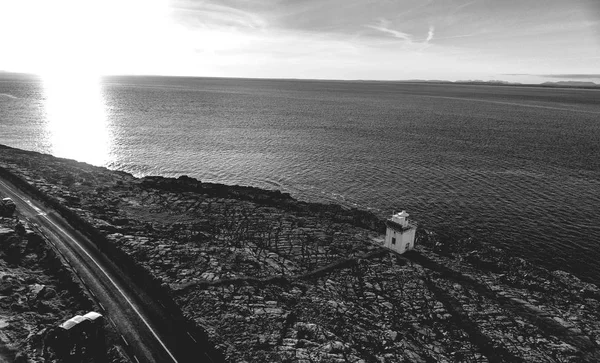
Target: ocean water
{"points": [[517, 167]]}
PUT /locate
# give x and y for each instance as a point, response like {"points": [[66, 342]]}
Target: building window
{"points": [[393, 240], [407, 246]]}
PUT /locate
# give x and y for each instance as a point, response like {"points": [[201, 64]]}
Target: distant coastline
{"points": [[559, 84]]}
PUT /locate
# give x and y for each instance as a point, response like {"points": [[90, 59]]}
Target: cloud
{"points": [[208, 13], [430, 33], [384, 27], [465, 5]]}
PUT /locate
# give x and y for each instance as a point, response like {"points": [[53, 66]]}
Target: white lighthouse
{"points": [[400, 233]]}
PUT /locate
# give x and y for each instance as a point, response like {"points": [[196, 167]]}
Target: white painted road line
{"points": [[135, 309], [118, 289], [39, 211], [188, 333], [122, 337], [134, 357]]}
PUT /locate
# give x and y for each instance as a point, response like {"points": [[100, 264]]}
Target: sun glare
{"points": [[75, 43], [76, 118], [91, 37]]}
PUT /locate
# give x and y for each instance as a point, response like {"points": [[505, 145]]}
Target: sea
{"points": [[516, 167]]}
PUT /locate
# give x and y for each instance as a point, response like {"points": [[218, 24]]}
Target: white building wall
{"points": [[404, 240]]}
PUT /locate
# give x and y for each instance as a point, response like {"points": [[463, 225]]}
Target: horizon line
{"points": [[490, 82]]}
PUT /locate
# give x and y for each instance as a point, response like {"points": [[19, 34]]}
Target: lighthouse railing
{"points": [[397, 226]]}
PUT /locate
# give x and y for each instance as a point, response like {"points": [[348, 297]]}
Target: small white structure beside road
{"points": [[7, 207], [400, 233]]}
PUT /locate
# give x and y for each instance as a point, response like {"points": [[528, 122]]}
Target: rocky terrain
{"points": [[270, 278], [37, 293]]}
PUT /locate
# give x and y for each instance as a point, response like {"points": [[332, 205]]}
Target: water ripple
{"points": [[515, 167]]}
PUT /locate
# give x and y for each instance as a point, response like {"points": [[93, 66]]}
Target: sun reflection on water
{"points": [[76, 118]]}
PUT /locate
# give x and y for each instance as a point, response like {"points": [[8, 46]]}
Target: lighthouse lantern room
{"points": [[400, 233]]}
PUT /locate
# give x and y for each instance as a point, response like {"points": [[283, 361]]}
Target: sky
{"points": [[528, 41]]}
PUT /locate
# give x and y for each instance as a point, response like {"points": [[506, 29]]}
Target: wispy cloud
{"points": [[430, 33], [384, 26], [465, 5], [207, 13], [409, 39]]}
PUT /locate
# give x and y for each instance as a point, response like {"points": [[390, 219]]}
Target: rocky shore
{"points": [[268, 278]]}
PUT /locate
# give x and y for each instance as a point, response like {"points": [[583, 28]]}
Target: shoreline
{"points": [[446, 234], [228, 258]]}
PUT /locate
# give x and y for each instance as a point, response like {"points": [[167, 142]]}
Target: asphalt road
{"points": [[146, 327]]}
